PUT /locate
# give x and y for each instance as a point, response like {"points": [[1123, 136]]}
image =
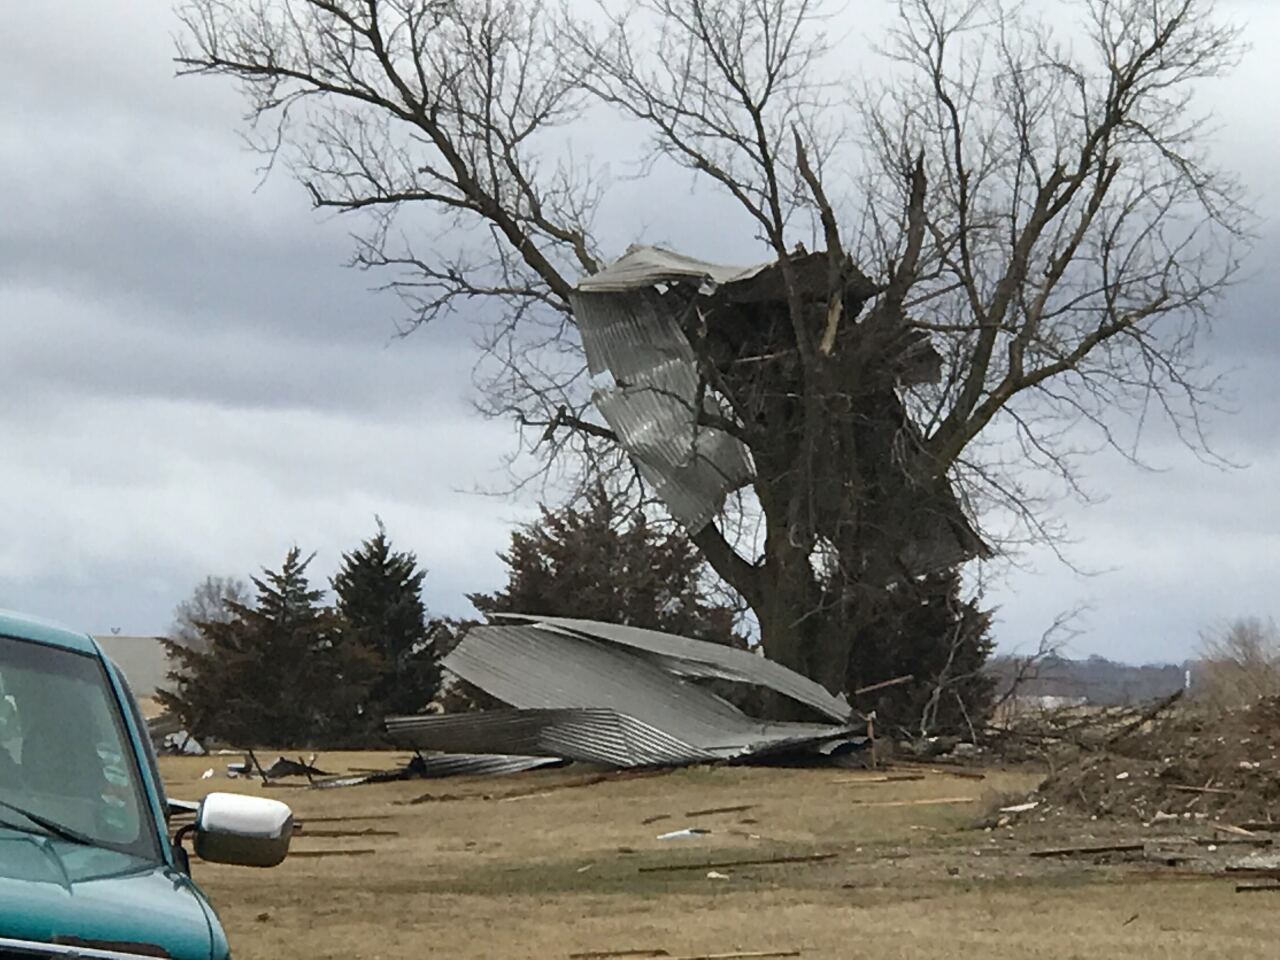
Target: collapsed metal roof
{"points": [[588, 736], [697, 658], [604, 693], [650, 404], [634, 318]]}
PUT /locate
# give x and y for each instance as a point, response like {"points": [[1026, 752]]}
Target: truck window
{"points": [[64, 753]]}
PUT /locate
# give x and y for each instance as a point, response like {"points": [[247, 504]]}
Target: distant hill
{"points": [[1095, 680]]}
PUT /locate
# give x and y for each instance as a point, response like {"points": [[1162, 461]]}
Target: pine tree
{"points": [[944, 642], [379, 599], [277, 673], [599, 562]]}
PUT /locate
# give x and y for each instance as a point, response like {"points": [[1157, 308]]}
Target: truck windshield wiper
{"points": [[52, 827]]}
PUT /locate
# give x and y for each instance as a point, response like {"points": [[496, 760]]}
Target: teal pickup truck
{"points": [[87, 865]]}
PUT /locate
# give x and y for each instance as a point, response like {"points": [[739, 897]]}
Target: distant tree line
{"points": [[273, 664], [1094, 680]]}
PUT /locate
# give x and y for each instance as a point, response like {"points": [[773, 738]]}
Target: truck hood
{"points": [[56, 892]]}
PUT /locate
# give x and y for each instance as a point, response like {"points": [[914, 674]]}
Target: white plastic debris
{"points": [[1021, 807], [684, 834], [716, 875], [1124, 775], [207, 775]]}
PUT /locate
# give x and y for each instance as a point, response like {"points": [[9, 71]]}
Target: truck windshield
{"points": [[63, 750]]}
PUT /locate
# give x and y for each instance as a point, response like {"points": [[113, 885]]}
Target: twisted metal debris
{"points": [[619, 696]]}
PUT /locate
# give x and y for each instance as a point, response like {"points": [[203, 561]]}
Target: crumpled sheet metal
{"points": [[644, 266], [684, 656], [532, 668], [583, 698], [588, 736], [652, 401], [437, 766], [629, 329]]}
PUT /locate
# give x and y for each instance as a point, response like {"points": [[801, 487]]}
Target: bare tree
{"points": [[209, 603], [1239, 663], [1036, 245]]}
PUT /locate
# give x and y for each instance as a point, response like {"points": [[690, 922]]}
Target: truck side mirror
{"points": [[239, 829]]}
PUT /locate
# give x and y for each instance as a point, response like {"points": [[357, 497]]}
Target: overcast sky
{"points": [[190, 382]]}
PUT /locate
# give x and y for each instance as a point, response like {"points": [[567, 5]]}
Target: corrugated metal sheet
{"points": [[648, 266], [589, 699], [631, 330], [651, 404], [481, 764], [445, 765], [590, 736], [697, 658], [539, 669]]}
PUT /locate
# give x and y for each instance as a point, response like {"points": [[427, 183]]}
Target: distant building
{"points": [[142, 659]]}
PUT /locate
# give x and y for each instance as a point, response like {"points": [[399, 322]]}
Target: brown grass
{"points": [[555, 871]]}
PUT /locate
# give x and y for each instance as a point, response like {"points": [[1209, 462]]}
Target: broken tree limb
{"points": [[360, 852], [1256, 887], [343, 818], [367, 832], [758, 862], [1233, 830], [710, 810], [940, 767], [1216, 790], [887, 778], [871, 688], [1086, 851], [1146, 716], [925, 802], [1259, 873], [611, 954], [741, 955]]}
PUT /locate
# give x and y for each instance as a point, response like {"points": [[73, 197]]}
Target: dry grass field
{"points": [[546, 865]]}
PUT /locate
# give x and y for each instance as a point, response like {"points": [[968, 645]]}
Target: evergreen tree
{"points": [[379, 599], [599, 563], [944, 642], [278, 673]]}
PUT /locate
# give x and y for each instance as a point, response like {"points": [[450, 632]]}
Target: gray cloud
{"points": [[190, 382]]}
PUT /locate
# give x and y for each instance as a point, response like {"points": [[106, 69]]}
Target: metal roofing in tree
{"points": [[651, 402]]}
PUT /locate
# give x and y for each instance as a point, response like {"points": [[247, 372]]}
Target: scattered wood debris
{"points": [[754, 862], [882, 778], [1185, 788], [923, 802], [367, 832], [872, 688], [343, 818], [1091, 850], [734, 955], [741, 808]]}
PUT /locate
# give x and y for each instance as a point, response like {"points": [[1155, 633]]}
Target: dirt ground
{"points": [[548, 864]]}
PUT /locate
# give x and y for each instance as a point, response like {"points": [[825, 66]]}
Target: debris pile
{"points": [[619, 696], [1185, 763]]}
